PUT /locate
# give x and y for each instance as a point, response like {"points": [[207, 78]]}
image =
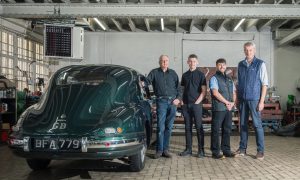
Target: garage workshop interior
{"points": [[76, 100]]}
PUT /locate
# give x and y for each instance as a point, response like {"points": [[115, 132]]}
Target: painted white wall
{"points": [[141, 50], [287, 72], [136, 50]]}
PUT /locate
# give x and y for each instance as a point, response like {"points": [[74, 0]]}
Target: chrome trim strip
{"points": [[112, 144]]}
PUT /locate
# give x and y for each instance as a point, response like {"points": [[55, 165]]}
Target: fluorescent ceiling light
{"points": [[162, 24], [238, 25], [100, 23]]}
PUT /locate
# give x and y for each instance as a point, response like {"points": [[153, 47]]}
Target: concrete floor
{"points": [[282, 161]]}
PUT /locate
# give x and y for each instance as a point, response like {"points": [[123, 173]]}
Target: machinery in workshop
{"points": [[272, 114], [292, 117], [7, 107]]}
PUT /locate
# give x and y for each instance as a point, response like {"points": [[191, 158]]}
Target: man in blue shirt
{"points": [[194, 84], [223, 95], [166, 87], [252, 89]]}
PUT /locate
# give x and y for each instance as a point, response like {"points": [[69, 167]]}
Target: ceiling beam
{"points": [[267, 23], [205, 25], [177, 25], [146, 20], [294, 35], [88, 23], [65, 1], [237, 24], [223, 21], [131, 25], [278, 24], [260, 1], [118, 25], [191, 25], [251, 23], [279, 2], [100, 24], [295, 25], [204, 11]]}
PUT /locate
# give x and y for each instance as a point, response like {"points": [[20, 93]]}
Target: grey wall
{"points": [[287, 72], [141, 50], [136, 50]]}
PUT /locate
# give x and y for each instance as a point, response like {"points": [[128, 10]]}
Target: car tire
{"points": [[38, 164], [137, 161]]}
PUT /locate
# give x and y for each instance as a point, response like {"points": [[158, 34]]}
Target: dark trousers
{"points": [[223, 120], [193, 112]]}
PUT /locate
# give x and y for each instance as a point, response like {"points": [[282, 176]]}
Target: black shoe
{"points": [[201, 154], [157, 155], [230, 154], [186, 153], [167, 154], [218, 156]]}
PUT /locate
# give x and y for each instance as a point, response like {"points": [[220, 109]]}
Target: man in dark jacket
{"points": [[223, 95]]}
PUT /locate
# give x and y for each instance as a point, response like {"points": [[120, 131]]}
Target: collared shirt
{"points": [[262, 73], [165, 84], [213, 83], [192, 81]]}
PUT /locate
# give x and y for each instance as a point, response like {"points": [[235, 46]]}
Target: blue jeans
{"points": [[245, 108], [166, 112]]}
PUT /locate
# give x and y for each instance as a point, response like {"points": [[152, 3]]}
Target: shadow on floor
{"points": [[78, 168]]}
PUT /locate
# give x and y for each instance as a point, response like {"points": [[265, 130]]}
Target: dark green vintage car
{"points": [[87, 112]]}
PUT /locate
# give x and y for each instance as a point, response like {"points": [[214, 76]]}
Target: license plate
{"points": [[56, 144]]}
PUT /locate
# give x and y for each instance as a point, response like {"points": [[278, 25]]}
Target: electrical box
{"points": [[63, 41]]}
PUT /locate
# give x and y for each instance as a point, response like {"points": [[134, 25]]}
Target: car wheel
{"points": [[38, 164], [137, 161]]}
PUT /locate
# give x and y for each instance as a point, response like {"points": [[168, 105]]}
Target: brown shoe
{"points": [[260, 156], [167, 154]]}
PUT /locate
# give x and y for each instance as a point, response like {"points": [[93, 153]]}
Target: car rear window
{"points": [[80, 77]]}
